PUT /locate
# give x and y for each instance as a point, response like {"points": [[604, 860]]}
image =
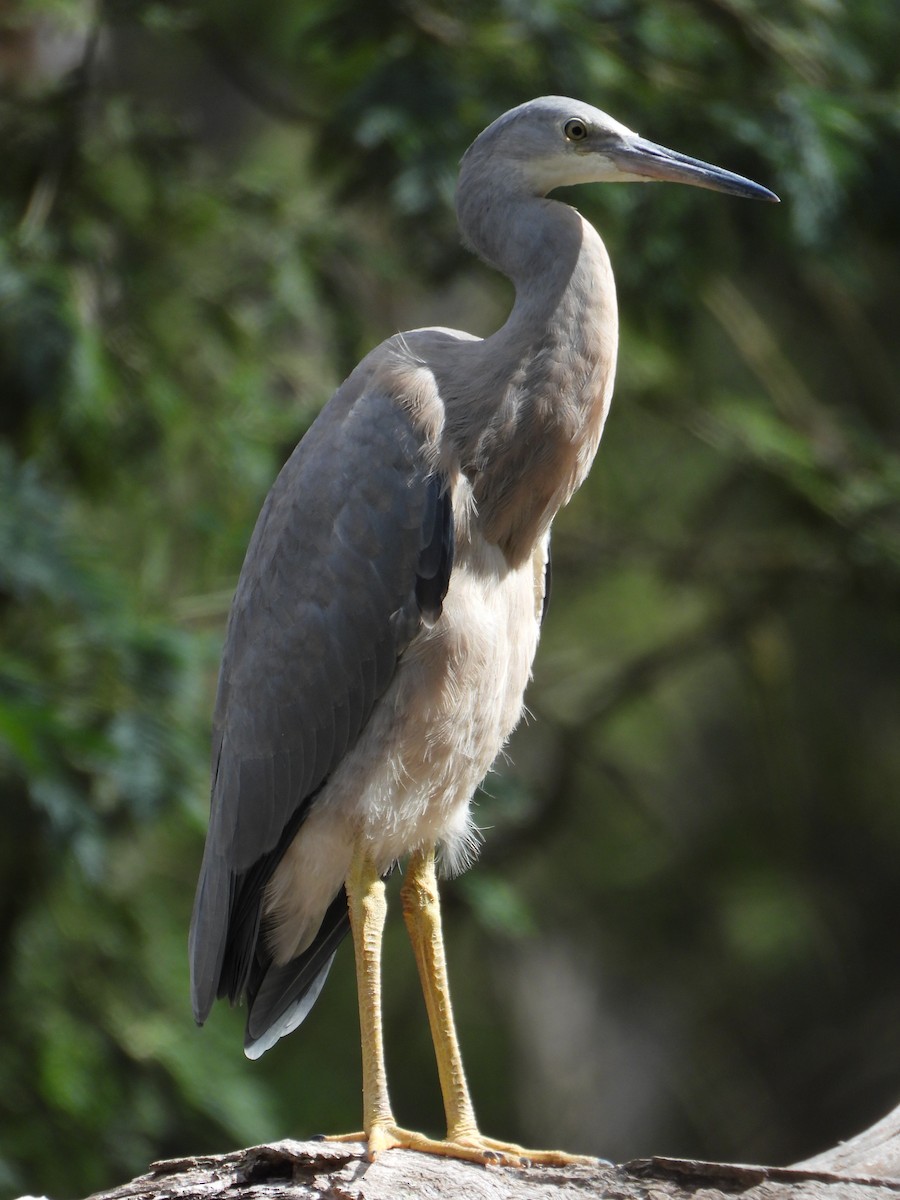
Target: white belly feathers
{"points": [[442, 738]]}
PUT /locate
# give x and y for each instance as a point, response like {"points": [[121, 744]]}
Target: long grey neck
{"points": [[536, 392]]}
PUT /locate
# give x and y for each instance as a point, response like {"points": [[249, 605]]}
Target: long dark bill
{"points": [[646, 159]]}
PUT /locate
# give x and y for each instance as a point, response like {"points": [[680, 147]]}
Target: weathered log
{"points": [[865, 1168]]}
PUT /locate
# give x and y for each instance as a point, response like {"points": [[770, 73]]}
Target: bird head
{"points": [[555, 141]]}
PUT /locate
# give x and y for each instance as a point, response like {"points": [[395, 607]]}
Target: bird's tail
{"points": [[279, 997]]}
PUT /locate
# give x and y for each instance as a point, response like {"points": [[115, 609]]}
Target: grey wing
{"points": [[351, 551]]}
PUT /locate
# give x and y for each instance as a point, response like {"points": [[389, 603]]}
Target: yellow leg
{"points": [[368, 910], [422, 911]]}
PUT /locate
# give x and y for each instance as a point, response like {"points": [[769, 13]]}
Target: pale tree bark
{"points": [[865, 1168]]}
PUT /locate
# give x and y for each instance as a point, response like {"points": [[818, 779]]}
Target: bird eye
{"points": [[575, 129]]}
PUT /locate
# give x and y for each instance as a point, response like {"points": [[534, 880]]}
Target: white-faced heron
{"points": [[387, 615]]}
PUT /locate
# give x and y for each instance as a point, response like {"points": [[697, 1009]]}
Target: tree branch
{"points": [[865, 1168]]}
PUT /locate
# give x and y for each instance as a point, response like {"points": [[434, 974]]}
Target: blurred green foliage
{"points": [[681, 937]]}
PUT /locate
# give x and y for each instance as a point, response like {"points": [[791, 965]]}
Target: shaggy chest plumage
{"points": [[457, 695]]}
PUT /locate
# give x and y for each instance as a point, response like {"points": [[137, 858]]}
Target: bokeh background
{"points": [[682, 936]]}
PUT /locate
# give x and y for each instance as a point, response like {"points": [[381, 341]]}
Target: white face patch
{"points": [[565, 170]]}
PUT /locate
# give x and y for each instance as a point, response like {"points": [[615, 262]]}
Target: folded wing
{"points": [[352, 551]]}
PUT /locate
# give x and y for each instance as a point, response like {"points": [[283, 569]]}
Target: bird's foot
{"points": [[510, 1154], [470, 1146]]}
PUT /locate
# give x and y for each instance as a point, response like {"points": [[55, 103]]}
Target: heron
{"points": [[387, 615]]}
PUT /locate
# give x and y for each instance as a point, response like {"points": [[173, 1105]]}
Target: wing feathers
{"points": [[281, 997], [436, 558], [352, 550]]}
